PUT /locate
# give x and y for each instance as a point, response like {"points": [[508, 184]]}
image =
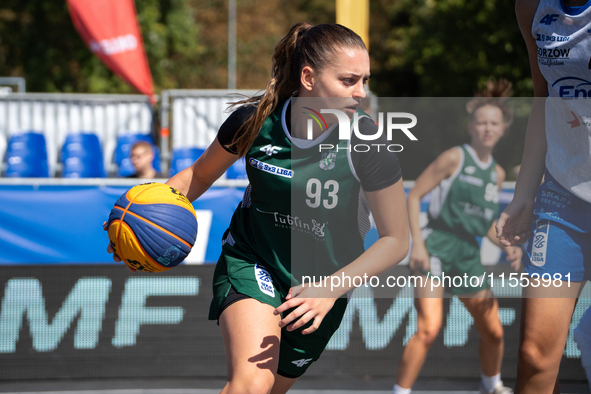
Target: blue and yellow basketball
{"points": [[152, 227]]}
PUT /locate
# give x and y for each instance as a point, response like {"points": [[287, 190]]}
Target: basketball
{"points": [[152, 227]]}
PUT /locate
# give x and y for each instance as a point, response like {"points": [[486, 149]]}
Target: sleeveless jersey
{"points": [[302, 206], [563, 38], [467, 203]]}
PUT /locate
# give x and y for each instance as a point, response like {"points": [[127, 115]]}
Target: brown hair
{"points": [[495, 93], [304, 45]]}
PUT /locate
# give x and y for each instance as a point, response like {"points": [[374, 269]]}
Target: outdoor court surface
{"points": [[204, 386]]}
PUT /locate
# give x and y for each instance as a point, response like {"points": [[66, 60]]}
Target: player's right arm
{"points": [[442, 168], [210, 166], [513, 226]]}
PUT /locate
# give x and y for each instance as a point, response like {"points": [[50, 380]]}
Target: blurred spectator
{"points": [[142, 157]]}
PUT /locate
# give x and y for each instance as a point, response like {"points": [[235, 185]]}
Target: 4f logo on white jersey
{"points": [[270, 149], [548, 19], [301, 362]]}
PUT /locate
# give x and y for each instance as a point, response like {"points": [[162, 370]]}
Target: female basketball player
{"points": [[465, 183], [557, 145], [302, 211]]}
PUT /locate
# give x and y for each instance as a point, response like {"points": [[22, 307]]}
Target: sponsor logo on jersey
{"points": [[264, 280], [470, 170], [553, 56], [540, 242], [301, 362], [471, 180], [572, 87], [328, 160], [271, 169], [476, 211], [288, 221], [575, 122], [270, 149], [548, 19], [553, 38]]}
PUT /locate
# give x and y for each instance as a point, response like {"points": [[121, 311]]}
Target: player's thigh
{"points": [[251, 337]]}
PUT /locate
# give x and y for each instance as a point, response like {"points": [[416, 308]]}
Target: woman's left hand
{"points": [[311, 304]]}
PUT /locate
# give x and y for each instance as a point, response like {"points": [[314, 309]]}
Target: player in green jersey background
{"points": [[464, 183]]}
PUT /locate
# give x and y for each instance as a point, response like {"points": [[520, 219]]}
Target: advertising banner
{"points": [[102, 321]]}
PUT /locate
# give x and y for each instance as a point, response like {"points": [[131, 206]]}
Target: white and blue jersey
{"points": [[563, 37], [561, 231]]}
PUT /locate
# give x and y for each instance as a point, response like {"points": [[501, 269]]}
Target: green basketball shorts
{"points": [[456, 262], [248, 277]]}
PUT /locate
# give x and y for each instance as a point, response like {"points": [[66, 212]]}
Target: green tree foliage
{"points": [[448, 48]]}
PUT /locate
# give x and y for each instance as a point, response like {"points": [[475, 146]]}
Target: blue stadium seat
{"points": [[123, 151], [183, 158], [237, 170], [82, 156], [26, 156]]}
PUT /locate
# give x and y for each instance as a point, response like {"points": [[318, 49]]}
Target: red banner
{"points": [[111, 31]]}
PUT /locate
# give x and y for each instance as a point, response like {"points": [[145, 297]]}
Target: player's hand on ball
{"points": [[110, 249]]}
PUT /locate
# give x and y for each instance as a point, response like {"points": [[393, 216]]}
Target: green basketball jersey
{"points": [[467, 203], [304, 212]]}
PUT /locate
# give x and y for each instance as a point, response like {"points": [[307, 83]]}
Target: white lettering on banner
{"points": [[197, 254], [86, 301], [24, 296], [133, 312], [377, 334], [113, 46], [89, 296]]}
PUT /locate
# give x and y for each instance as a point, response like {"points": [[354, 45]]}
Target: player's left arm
{"points": [[388, 207], [514, 253]]}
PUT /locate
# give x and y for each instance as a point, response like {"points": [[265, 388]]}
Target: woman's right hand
{"points": [[110, 249], [419, 259], [514, 224]]}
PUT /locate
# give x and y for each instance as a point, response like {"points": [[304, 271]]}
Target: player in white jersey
{"points": [[557, 221]]}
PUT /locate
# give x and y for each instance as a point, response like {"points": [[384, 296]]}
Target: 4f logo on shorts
{"points": [[264, 280], [539, 243], [301, 362]]}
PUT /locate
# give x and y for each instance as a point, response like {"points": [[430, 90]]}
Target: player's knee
{"points": [[532, 358], [427, 335], [251, 384], [494, 335]]}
